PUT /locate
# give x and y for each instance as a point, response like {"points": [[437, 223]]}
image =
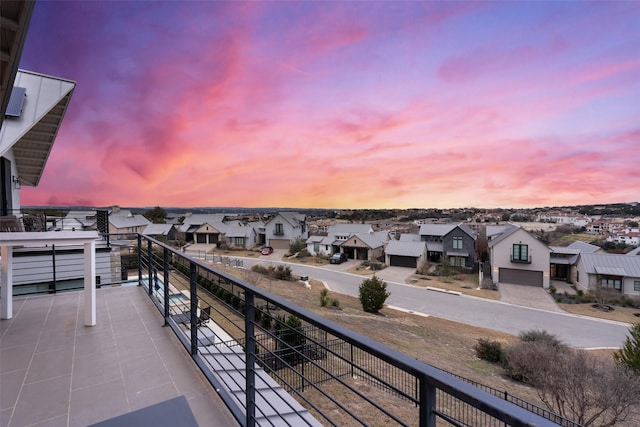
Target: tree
{"points": [[629, 354], [574, 383], [373, 294], [156, 215]]}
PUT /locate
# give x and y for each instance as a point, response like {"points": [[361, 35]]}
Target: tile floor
{"points": [[55, 371]]}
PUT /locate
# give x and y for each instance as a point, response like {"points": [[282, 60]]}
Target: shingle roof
{"points": [[368, 239], [405, 248], [594, 263], [128, 221]]}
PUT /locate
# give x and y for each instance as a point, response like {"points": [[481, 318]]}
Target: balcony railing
{"points": [[520, 260], [274, 363]]}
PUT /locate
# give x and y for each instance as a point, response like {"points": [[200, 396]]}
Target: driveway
{"points": [[395, 274], [528, 296]]}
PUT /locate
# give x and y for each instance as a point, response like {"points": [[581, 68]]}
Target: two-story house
{"points": [[518, 257], [284, 228], [457, 242]]}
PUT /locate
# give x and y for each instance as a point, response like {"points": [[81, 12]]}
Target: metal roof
{"points": [[598, 263], [564, 250], [434, 246], [410, 237], [611, 271], [436, 229], [158, 229], [368, 239], [349, 229], [405, 248], [584, 247]]}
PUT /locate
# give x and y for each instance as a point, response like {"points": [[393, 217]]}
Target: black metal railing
{"points": [[274, 363]]}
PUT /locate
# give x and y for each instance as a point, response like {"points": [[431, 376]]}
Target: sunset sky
{"points": [[330, 104]]}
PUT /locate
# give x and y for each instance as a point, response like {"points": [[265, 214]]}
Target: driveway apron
{"points": [[528, 296]]}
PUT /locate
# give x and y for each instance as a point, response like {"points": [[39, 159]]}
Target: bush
{"points": [[552, 290], [324, 297], [297, 245], [535, 335], [629, 355], [335, 303], [489, 350], [373, 294]]}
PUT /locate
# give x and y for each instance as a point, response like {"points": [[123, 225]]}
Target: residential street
{"points": [[577, 331]]}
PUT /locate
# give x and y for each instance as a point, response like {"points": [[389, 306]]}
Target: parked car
{"points": [[338, 258], [267, 250]]}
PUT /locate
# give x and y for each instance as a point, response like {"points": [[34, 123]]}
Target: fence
{"points": [[251, 345]]}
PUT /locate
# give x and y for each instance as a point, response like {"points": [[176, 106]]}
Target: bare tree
{"points": [[575, 383]]}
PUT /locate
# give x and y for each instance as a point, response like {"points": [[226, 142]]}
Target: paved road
{"points": [[577, 331]]}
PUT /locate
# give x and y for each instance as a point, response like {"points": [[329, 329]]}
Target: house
{"points": [[454, 241], [126, 222], [193, 222], [285, 228], [517, 257], [240, 236], [165, 232], [339, 233], [615, 272], [628, 236], [563, 260], [261, 232], [407, 253], [363, 246]]}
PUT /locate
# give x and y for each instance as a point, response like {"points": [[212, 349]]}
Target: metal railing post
{"points": [[249, 337], [150, 258], [165, 266], [427, 404], [139, 260], [193, 289]]}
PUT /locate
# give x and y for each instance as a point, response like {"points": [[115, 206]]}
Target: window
{"points": [[520, 252], [636, 285], [611, 282], [279, 229], [457, 243], [316, 247], [456, 261], [239, 241]]}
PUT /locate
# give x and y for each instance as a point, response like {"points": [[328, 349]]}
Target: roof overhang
{"points": [[32, 134], [610, 271], [15, 17]]}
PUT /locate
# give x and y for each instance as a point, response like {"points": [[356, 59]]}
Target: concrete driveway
{"points": [[528, 296], [395, 274]]}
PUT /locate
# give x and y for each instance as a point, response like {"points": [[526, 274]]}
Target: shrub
{"points": [[297, 245], [373, 294], [335, 303], [324, 297], [265, 322], [629, 355], [489, 350], [552, 290], [535, 335]]}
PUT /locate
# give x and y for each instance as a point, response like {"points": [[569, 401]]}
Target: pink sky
{"points": [[341, 104]]}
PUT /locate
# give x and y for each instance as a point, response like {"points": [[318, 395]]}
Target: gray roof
{"points": [[634, 252], [494, 230], [410, 237], [350, 228], [583, 247], [508, 231], [615, 264], [368, 239], [314, 239], [436, 229], [570, 260], [464, 227], [293, 218], [564, 250], [383, 236], [405, 248], [434, 246], [128, 221], [238, 231], [158, 229]]}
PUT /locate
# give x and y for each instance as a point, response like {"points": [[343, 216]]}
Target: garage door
{"points": [[520, 277], [279, 243], [402, 261]]}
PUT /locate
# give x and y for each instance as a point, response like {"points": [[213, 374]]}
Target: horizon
{"points": [[351, 105]]}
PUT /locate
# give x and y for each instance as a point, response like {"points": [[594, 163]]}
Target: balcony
{"points": [[521, 260], [236, 354]]}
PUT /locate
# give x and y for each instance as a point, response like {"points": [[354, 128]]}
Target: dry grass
{"points": [[619, 314], [463, 283]]}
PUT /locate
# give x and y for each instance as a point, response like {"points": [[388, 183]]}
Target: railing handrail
{"points": [[434, 377]]}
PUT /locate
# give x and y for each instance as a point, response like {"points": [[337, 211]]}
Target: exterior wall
{"points": [[500, 256], [468, 245], [628, 286], [288, 231], [353, 244], [32, 266]]}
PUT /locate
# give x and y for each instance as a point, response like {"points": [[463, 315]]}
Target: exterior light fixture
{"points": [[16, 182]]}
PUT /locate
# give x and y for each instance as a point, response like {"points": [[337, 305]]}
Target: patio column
{"points": [[90, 283], [6, 297]]}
